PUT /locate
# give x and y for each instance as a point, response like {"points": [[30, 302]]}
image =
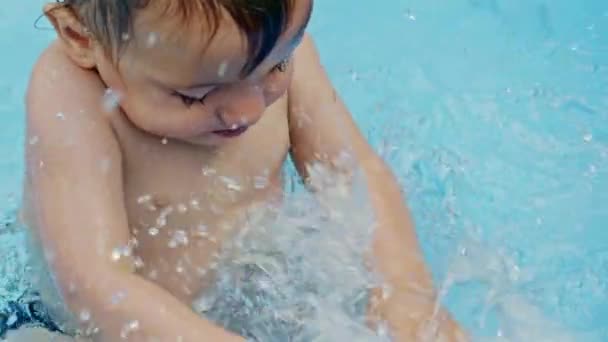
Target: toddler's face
{"points": [[177, 83]]}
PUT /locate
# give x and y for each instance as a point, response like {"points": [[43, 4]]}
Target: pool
{"points": [[494, 116]]}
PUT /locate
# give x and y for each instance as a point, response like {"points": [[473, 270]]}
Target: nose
{"points": [[241, 105]]}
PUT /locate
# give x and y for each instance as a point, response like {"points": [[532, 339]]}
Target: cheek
{"points": [[166, 117]]}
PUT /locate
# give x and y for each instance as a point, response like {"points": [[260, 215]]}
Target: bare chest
{"points": [[184, 203]]}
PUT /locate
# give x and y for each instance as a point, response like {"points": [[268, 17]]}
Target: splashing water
{"points": [[300, 277], [492, 114]]}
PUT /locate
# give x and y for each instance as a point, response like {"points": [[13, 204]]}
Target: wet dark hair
{"points": [[261, 21]]}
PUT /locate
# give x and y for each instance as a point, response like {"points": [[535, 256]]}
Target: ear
{"points": [[77, 40]]}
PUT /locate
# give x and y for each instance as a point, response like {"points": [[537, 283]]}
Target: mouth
{"points": [[231, 133]]}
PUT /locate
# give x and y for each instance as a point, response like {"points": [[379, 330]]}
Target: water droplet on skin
{"points": [[152, 39], [128, 328], [119, 252], [164, 141], [201, 231], [116, 254], [260, 182], [125, 37], [144, 199], [110, 100], [60, 116], [153, 231], [221, 71], [118, 297], [182, 208], [194, 204], [207, 171], [230, 183], [85, 315], [34, 140]]}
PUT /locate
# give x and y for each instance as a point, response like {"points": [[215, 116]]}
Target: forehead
{"points": [[160, 39]]}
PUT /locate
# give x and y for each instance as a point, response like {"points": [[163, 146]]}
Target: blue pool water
{"points": [[494, 116]]}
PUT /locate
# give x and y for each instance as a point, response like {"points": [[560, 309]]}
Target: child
{"points": [[148, 118]]}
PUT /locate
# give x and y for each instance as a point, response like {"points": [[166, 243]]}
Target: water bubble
{"points": [[152, 39], [119, 252], [85, 315], [260, 182], [408, 14], [118, 297], [138, 263], [587, 137], [201, 231], [182, 208], [179, 238], [221, 71], [129, 328], [195, 204], [207, 171], [161, 221], [116, 254], [144, 199], [231, 183], [110, 100]]}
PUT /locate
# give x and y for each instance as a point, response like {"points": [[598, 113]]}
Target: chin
{"points": [[207, 140]]}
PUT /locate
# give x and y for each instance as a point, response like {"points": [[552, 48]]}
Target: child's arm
{"points": [[321, 128], [76, 201]]}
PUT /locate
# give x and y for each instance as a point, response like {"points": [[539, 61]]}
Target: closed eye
{"points": [[188, 101], [282, 66]]}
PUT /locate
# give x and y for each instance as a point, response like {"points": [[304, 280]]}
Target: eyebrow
{"points": [[296, 37]]}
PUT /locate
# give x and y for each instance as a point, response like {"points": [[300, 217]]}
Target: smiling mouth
{"points": [[230, 133]]}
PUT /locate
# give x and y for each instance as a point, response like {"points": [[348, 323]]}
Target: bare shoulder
{"points": [[306, 59], [61, 92], [65, 105]]}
